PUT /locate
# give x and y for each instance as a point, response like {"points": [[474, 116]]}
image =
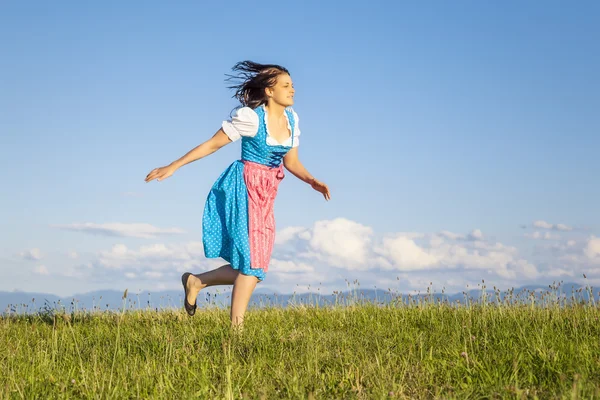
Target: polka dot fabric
{"points": [[225, 221], [256, 149], [240, 231]]}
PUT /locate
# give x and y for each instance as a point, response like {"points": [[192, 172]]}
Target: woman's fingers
{"points": [[325, 190], [152, 174]]}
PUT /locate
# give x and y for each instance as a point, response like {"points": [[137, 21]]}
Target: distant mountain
{"points": [[23, 302]]}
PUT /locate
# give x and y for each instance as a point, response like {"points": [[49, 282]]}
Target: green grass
{"points": [[359, 351]]}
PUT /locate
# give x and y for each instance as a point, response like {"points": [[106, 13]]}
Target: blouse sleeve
{"points": [[296, 129], [243, 123]]}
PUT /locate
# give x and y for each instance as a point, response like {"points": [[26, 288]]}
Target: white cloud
{"points": [[349, 246], [476, 234], [289, 266], [73, 255], [332, 250], [542, 236], [562, 227], [32, 254], [571, 258], [342, 243], [285, 235], [542, 224], [304, 235], [403, 254], [524, 268], [41, 270], [546, 225], [558, 272], [292, 278], [120, 263], [152, 257], [145, 231], [446, 234], [592, 249]]}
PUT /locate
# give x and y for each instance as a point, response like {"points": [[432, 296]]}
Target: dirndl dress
{"points": [[238, 224]]}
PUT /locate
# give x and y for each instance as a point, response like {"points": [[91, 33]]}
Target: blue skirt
{"points": [[225, 221]]}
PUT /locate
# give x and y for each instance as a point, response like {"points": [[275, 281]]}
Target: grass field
{"points": [[352, 351]]}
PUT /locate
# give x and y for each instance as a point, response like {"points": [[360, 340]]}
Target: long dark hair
{"points": [[252, 80]]}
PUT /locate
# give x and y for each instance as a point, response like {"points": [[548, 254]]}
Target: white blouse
{"points": [[245, 123]]}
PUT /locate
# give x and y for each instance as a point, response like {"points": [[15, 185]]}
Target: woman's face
{"points": [[283, 91]]}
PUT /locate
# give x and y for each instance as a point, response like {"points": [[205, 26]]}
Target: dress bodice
{"points": [[256, 149]]}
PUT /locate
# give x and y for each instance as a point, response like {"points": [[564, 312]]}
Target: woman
{"points": [[238, 223]]}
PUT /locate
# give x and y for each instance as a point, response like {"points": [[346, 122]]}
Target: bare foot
{"points": [[237, 329], [193, 287], [238, 326]]}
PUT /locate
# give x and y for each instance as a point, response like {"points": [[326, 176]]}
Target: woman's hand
{"points": [[293, 164], [161, 173], [321, 188]]}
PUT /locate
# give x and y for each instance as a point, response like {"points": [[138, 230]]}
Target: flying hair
{"points": [[251, 81]]}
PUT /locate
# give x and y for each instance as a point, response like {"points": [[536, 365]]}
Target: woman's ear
{"points": [[269, 92]]}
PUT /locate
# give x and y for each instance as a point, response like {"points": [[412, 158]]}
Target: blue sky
{"points": [[455, 138]]}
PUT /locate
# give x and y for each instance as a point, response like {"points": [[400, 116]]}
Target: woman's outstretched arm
{"points": [[293, 164], [213, 144]]}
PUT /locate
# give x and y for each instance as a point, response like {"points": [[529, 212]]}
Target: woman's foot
{"points": [[191, 287]]}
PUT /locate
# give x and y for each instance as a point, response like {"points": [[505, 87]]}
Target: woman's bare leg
{"points": [[224, 275], [240, 297]]}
